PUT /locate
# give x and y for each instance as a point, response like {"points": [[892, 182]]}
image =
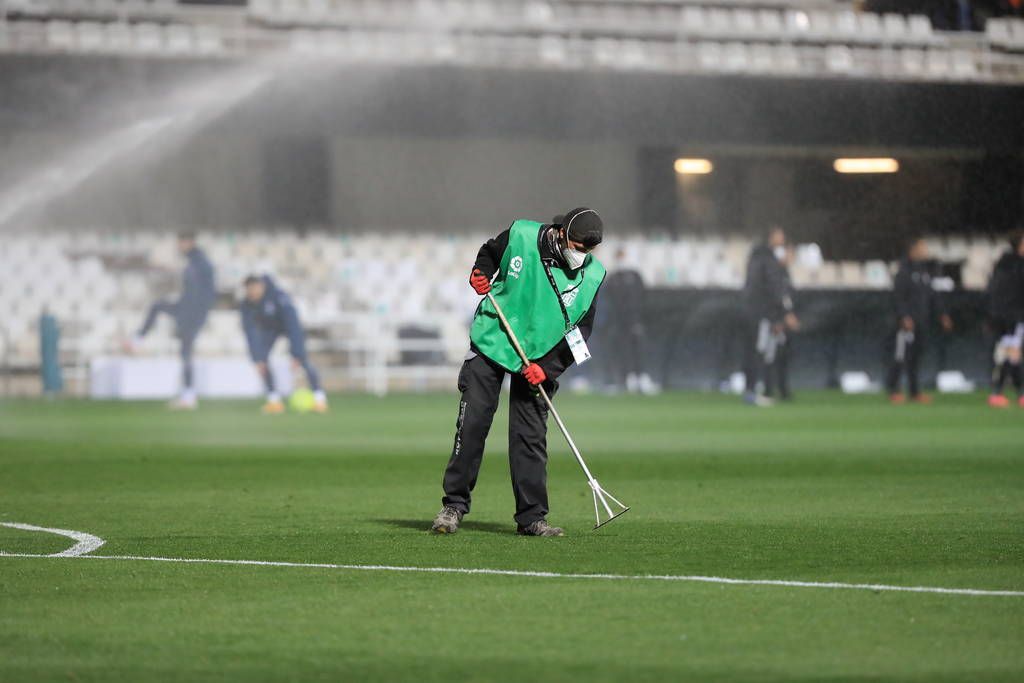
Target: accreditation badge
{"points": [[578, 346]]}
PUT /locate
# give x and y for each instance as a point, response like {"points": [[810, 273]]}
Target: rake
{"points": [[601, 497]]}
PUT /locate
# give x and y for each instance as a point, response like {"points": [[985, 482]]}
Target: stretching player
{"points": [[1006, 308], [198, 294], [267, 314]]}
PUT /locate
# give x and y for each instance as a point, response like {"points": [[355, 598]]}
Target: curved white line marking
{"points": [[86, 543], [558, 575]]}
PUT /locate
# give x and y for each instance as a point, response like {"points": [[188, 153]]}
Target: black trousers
{"points": [[755, 366], [752, 361], [627, 352], [776, 373], [480, 385], [907, 358]]}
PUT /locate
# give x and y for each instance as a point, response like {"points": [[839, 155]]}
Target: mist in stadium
{"points": [[730, 292]]}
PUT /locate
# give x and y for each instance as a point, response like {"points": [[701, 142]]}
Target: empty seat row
{"points": [[1006, 33], [680, 54], [622, 18], [107, 9], [703, 56], [99, 305], [119, 36]]}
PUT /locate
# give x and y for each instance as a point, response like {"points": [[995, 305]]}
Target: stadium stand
{"points": [[786, 38], [99, 284]]}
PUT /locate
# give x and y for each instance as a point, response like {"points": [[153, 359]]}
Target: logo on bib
{"points": [[515, 266], [570, 296]]}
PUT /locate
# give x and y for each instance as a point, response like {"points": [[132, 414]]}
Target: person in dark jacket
{"points": [[771, 319], [268, 314], [546, 281], [198, 295], [1006, 314], [624, 296], [916, 305]]}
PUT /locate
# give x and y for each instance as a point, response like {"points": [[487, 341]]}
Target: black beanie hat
{"points": [[585, 226]]}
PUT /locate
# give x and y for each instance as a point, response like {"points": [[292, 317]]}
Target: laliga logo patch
{"points": [[569, 297], [516, 266]]}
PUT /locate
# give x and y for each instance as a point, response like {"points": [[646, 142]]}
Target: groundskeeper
{"points": [[546, 281]]}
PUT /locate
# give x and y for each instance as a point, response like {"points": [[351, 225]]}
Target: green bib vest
{"points": [[526, 296]]}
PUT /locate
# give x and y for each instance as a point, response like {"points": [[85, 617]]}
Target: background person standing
{"points": [[916, 303], [198, 295], [546, 281], [625, 296], [776, 351], [1006, 313], [770, 319]]}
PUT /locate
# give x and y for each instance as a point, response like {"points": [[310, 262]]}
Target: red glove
{"points": [[480, 282], [534, 374]]}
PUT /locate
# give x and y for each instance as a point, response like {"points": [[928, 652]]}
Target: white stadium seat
{"points": [[746, 23], [60, 34], [839, 58], [938, 63], [920, 27], [91, 36], [179, 38], [913, 60], [870, 27], [964, 65], [895, 27], [770, 23], [148, 37], [734, 57]]}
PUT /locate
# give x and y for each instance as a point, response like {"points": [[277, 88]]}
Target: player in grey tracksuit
{"points": [[189, 311]]}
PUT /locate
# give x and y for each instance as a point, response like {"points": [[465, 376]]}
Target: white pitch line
{"points": [[554, 575], [86, 542]]}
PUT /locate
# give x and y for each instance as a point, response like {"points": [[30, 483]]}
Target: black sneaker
{"points": [[540, 528], [447, 521]]}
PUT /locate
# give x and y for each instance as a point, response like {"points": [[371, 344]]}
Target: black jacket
{"points": [[488, 260], [625, 295], [1006, 289], [768, 290], [913, 294]]}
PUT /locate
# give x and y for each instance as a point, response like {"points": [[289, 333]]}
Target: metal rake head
{"points": [[601, 504]]}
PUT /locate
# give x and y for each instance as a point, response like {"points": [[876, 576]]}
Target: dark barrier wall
{"points": [[55, 91], [457, 149], [695, 338]]}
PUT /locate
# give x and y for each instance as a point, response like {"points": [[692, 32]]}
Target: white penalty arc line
{"points": [[834, 585], [86, 543]]}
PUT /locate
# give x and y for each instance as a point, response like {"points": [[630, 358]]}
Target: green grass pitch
{"points": [[831, 488]]}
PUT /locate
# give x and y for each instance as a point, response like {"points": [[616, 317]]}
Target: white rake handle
{"points": [[554, 413]]}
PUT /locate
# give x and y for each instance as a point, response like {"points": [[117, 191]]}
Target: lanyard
{"points": [[558, 294]]}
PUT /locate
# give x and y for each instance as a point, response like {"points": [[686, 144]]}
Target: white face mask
{"points": [[574, 258], [780, 253]]}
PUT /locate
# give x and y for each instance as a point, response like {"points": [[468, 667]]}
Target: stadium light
{"points": [[866, 165], [693, 166]]}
